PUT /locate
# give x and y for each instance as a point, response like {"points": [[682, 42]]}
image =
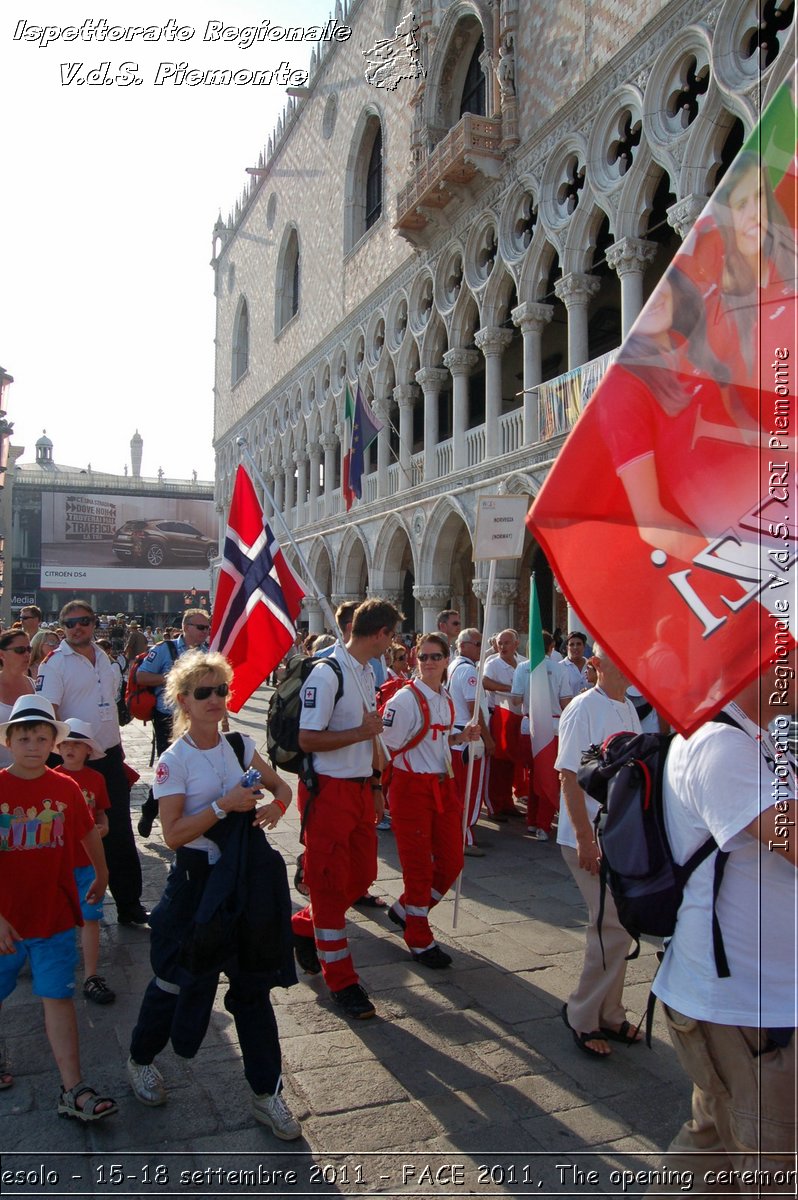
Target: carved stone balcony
{"points": [[470, 149]]}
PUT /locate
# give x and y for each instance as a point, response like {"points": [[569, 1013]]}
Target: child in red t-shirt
{"points": [[39, 905], [76, 750]]}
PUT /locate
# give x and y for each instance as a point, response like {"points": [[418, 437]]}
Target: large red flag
{"points": [[669, 517], [258, 596]]}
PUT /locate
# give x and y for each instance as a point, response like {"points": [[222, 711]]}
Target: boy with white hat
{"points": [[46, 817], [77, 749]]}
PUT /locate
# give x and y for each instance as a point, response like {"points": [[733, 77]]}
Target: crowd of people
{"points": [[386, 727]]}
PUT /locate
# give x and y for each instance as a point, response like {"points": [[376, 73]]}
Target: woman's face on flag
{"points": [[657, 316], [745, 209]]}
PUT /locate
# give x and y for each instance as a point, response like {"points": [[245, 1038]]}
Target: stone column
{"points": [[432, 380], [575, 291], [532, 319], [301, 460], [432, 600], [314, 451], [328, 443], [278, 483], [382, 411], [312, 609], [505, 592], [683, 215], [290, 497], [460, 363], [493, 342], [405, 394], [629, 258]]}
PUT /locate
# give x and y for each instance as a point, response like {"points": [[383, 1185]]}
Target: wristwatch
{"points": [[220, 812]]}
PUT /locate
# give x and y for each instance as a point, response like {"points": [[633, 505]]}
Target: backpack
{"points": [[141, 701], [625, 774], [285, 709]]}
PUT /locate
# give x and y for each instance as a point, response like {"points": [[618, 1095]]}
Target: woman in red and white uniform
{"points": [[426, 809]]}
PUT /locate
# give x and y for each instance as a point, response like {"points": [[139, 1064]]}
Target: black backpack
{"points": [[625, 775], [285, 709]]}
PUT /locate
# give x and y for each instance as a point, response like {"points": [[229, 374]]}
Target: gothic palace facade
{"points": [[470, 246]]}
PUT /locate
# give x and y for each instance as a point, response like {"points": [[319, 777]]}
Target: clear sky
{"points": [[109, 195]]}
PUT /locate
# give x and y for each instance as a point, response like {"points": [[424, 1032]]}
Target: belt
{"points": [[347, 778]]}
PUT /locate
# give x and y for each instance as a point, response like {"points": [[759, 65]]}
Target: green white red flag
{"points": [[670, 517], [545, 780]]}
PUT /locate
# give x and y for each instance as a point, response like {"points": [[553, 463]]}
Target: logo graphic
{"points": [[392, 59]]}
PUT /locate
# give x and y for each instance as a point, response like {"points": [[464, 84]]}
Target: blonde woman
{"points": [[199, 785], [42, 644]]}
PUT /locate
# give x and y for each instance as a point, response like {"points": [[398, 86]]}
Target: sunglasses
{"points": [[399, 658], [71, 622], [430, 657], [18, 649], [202, 628], [202, 693]]}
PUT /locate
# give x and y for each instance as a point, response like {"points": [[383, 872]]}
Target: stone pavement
{"points": [[467, 1072]]}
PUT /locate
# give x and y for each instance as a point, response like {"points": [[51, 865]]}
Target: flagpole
{"points": [[474, 721], [309, 578]]}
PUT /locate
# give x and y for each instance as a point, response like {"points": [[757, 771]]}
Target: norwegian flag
{"points": [[258, 596]]}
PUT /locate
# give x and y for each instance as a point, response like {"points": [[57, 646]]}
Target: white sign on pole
{"points": [[500, 527]]}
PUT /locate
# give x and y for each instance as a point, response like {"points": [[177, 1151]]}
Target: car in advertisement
{"points": [[136, 543]]}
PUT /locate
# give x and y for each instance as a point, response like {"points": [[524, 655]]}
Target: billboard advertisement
{"points": [[126, 543]]}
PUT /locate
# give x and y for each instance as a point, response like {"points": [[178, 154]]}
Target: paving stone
{"points": [[348, 1087], [330, 1050], [392, 1126]]}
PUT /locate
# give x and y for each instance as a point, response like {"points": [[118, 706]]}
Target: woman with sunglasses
{"points": [[199, 783], [426, 810], [42, 644], [14, 678]]}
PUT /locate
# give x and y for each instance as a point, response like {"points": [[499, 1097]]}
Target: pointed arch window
{"points": [[287, 284], [474, 98], [374, 181], [240, 363], [364, 180]]}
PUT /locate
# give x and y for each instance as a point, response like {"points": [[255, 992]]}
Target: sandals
{"points": [[97, 990], [626, 1034], [581, 1039], [369, 901], [68, 1103]]}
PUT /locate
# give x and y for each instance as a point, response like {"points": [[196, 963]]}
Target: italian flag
{"points": [[545, 780], [349, 421]]}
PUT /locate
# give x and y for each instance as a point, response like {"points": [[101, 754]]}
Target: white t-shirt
{"points": [[502, 672], [201, 776], [402, 718], [570, 679], [462, 687], [718, 781], [589, 719], [320, 712], [84, 689]]}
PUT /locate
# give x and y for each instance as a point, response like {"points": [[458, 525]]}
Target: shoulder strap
{"points": [[172, 648], [419, 736], [236, 743]]}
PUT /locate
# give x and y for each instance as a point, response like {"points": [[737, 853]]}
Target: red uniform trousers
{"points": [[460, 770], [500, 785], [426, 815], [340, 866]]}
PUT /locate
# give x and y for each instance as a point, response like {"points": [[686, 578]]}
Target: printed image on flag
{"points": [[669, 517], [364, 430], [258, 597], [349, 421]]}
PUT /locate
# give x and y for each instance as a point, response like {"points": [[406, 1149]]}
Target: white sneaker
{"points": [[147, 1083], [274, 1112], [539, 834]]}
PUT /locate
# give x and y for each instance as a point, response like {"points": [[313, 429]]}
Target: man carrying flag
{"points": [[362, 428], [691, 506], [258, 596]]}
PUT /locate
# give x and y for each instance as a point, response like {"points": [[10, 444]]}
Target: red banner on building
{"points": [[669, 517]]}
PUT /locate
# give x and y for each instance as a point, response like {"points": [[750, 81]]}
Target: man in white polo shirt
{"points": [[735, 1034], [79, 681], [337, 731], [594, 1011], [461, 682]]}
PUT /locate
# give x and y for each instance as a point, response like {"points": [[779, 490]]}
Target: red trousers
{"points": [[460, 769], [500, 785], [426, 815], [340, 866]]}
